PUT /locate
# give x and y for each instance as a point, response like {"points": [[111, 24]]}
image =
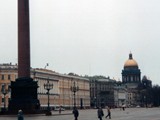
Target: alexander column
{"points": [[23, 39], [24, 89]]}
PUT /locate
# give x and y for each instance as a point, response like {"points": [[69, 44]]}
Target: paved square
{"points": [[91, 114]]}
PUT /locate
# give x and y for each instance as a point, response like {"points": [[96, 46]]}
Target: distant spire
{"points": [[46, 65]]}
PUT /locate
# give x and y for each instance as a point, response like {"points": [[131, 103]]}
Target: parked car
{"points": [[58, 108], [137, 106]]}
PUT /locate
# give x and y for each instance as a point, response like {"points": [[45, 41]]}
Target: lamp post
{"points": [[74, 89], [95, 102], [48, 87], [4, 92]]}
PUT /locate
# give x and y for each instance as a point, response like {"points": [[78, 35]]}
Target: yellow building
{"points": [[60, 95], [8, 73]]}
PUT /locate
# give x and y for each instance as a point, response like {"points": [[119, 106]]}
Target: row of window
{"points": [[6, 77], [3, 100], [131, 78], [5, 88], [3, 77]]}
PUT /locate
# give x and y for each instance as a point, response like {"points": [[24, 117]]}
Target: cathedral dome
{"points": [[130, 62]]}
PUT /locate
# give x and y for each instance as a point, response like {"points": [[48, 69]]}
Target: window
{"points": [[3, 87], [9, 88], [9, 77], [2, 100], [2, 77]]}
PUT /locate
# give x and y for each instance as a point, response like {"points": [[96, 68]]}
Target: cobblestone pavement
{"points": [[91, 114]]}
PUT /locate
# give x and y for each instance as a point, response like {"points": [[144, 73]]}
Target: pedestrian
{"points": [[123, 107], [100, 113], [76, 113], [20, 115], [60, 110], [108, 113]]}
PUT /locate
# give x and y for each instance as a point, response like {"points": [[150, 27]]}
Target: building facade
{"points": [[131, 74], [120, 96], [8, 73], [131, 80], [102, 92], [60, 95], [146, 82]]}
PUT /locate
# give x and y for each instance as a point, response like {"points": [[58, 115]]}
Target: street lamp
{"points": [[4, 92], [74, 89], [95, 102], [48, 87]]}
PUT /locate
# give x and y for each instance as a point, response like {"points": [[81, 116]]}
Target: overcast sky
{"points": [[87, 37]]}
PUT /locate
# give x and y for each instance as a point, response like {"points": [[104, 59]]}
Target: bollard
{"points": [[20, 115]]}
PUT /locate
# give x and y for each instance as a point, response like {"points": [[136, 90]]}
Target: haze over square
{"points": [[86, 37]]}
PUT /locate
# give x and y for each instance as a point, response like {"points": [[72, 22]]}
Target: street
{"points": [[91, 114]]}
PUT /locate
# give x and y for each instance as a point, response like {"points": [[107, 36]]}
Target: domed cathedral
{"points": [[131, 74]]}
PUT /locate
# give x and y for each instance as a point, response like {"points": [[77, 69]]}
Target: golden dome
{"points": [[130, 62]]}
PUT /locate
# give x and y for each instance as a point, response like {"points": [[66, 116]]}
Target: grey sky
{"points": [[92, 37]]}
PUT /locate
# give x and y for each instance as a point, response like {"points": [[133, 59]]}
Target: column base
{"points": [[24, 96]]}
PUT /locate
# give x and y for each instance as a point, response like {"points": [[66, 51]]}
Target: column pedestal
{"points": [[24, 96]]}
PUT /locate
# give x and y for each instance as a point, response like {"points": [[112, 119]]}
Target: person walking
{"points": [[76, 113], [60, 110], [123, 107], [108, 113], [20, 115], [100, 113]]}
